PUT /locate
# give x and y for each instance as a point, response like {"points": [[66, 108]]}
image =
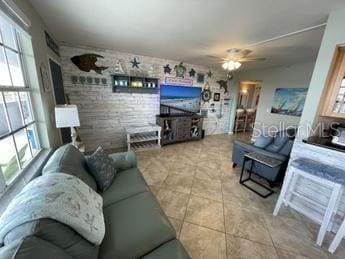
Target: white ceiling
{"points": [[189, 30]]}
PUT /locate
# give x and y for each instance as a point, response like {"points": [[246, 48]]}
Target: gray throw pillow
{"points": [[102, 168], [262, 141]]}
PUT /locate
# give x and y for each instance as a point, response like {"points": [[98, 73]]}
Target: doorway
{"points": [[59, 95], [247, 103]]}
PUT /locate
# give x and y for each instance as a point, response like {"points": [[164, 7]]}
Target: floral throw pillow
{"points": [[102, 168]]}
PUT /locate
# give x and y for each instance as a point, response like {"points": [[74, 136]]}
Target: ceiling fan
{"points": [[235, 57]]}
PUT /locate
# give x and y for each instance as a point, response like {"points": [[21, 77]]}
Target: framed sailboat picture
{"points": [[289, 101]]}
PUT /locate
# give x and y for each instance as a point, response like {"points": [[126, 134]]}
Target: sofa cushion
{"points": [[124, 160], [33, 248], [286, 150], [240, 148], [170, 250], [125, 184], [102, 168], [57, 234], [278, 142], [134, 227], [68, 159], [263, 141]]}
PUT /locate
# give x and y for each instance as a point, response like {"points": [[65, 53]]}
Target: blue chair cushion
{"points": [[286, 150], [278, 143], [263, 141], [321, 170]]}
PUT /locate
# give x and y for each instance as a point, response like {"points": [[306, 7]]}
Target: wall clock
{"points": [[206, 95]]}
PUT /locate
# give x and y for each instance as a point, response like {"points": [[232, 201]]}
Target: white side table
{"points": [[143, 137]]}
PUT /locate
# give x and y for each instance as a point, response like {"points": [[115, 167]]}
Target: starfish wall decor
{"points": [[192, 72], [209, 74], [135, 63], [167, 69]]}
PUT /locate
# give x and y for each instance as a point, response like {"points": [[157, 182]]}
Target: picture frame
{"points": [[200, 78], [289, 101], [216, 97]]}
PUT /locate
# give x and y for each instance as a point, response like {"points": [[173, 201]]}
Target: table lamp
{"points": [[66, 116]]}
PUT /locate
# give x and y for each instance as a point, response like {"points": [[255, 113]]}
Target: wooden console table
{"points": [[180, 127]]}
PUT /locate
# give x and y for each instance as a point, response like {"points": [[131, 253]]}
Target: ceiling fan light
{"points": [[237, 65], [231, 65]]}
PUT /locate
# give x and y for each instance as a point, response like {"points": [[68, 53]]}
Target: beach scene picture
{"points": [[185, 98], [289, 101]]}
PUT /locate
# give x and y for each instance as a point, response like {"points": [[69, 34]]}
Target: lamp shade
{"points": [[66, 116]]}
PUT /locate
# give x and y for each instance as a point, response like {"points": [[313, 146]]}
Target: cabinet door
{"points": [[334, 104]]}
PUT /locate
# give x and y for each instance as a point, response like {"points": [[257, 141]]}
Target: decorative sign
{"points": [[178, 81], [45, 77], [200, 78], [52, 44]]}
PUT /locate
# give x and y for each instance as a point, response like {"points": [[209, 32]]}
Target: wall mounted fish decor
{"points": [[223, 84], [87, 62]]}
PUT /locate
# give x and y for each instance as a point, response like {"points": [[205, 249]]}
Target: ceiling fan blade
{"points": [[249, 59], [210, 56], [244, 52], [214, 57], [216, 63], [235, 53]]}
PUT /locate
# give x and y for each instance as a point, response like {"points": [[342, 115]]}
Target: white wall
{"points": [[334, 35], [293, 76]]}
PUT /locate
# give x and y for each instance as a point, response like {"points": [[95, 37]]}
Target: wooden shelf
{"points": [[143, 137], [124, 84], [143, 146]]}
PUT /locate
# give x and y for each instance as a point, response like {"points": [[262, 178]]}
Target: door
{"points": [[59, 94]]}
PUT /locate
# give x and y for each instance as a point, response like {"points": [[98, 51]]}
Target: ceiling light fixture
{"points": [[231, 65]]}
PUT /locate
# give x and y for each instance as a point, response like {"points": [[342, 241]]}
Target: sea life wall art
{"points": [[180, 70], [289, 101], [223, 84], [87, 62]]}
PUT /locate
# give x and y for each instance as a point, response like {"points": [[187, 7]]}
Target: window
{"points": [[18, 135]]}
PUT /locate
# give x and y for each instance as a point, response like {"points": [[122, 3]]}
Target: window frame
{"points": [[335, 77], [17, 90]]}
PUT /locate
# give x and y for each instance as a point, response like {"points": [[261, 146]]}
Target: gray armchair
{"points": [[278, 147]]}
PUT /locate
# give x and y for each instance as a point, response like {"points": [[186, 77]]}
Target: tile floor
{"points": [[216, 217]]}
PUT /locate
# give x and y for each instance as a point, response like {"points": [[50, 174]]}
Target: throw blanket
{"points": [[64, 198]]}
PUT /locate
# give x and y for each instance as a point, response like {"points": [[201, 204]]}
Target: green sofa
{"points": [[136, 226]]}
